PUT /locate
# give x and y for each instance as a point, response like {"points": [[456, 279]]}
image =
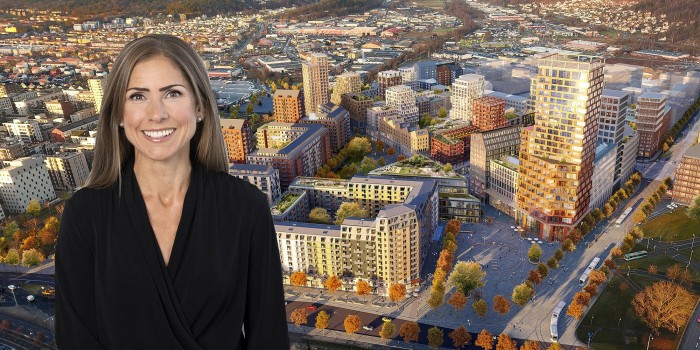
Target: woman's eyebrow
{"points": [[161, 89]]}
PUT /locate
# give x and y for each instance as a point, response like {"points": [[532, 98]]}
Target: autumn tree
{"points": [[543, 269], [616, 252], [610, 264], [501, 305], [591, 288], [568, 245], [397, 291], [387, 330], [453, 226], [480, 307], [653, 269], [458, 300], [445, 260], [352, 324], [534, 253], [363, 288], [333, 283], [575, 310], [322, 320], [608, 210], [298, 278], [582, 298], [559, 254], [530, 345], [435, 337], [522, 293], [485, 340], [554, 346], [437, 297], [674, 272], [535, 277], [409, 331], [506, 343], [597, 277], [30, 242], [32, 257], [460, 337], [390, 151], [694, 209], [320, 215], [298, 316], [467, 276], [623, 287], [12, 257], [664, 305], [349, 209], [34, 208], [10, 229]]}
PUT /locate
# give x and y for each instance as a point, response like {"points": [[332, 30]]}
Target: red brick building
{"points": [[238, 138], [488, 113], [452, 146], [288, 106]]}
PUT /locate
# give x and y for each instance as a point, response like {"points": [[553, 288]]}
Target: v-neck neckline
{"points": [[183, 228]]}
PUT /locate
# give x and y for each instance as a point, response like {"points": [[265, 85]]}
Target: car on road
{"points": [[30, 298], [368, 328], [415, 295], [311, 307], [386, 319]]}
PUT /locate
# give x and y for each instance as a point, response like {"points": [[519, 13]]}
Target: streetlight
{"points": [[691, 258], [12, 288], [618, 322], [592, 317], [649, 340], [692, 245]]}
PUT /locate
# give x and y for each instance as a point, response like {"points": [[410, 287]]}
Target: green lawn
{"points": [[662, 262], [643, 281], [696, 255], [671, 226]]}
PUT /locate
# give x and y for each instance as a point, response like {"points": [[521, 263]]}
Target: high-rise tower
{"points": [[314, 73]]}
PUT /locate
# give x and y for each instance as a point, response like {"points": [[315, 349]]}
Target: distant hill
{"points": [[325, 8]]}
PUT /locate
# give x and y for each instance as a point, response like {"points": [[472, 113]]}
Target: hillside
{"points": [[325, 8]]}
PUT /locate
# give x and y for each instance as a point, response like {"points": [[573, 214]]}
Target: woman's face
{"points": [[160, 116]]}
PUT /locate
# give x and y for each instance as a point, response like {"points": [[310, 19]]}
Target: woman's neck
{"points": [[164, 180]]}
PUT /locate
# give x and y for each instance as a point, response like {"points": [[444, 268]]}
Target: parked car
{"points": [[368, 328], [311, 307], [386, 319], [30, 298]]}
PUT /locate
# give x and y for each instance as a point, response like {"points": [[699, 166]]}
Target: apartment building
{"points": [[489, 113], [22, 180], [452, 145], [465, 90], [288, 106], [24, 129], [686, 185], [264, 177], [357, 105], [403, 99], [349, 82], [387, 79], [314, 72], [68, 171], [404, 137], [653, 120], [603, 174], [238, 137], [611, 123], [96, 86], [337, 120], [503, 184]]}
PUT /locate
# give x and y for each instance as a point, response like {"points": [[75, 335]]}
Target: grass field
{"points": [[672, 226]]}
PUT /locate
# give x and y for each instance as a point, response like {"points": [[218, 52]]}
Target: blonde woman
{"points": [[163, 249]]}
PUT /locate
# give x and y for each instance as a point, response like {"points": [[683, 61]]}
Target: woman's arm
{"points": [[265, 320], [76, 321]]}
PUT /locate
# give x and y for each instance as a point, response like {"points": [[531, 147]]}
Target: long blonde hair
{"points": [[112, 147]]}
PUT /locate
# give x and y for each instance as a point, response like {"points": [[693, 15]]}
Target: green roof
{"points": [[284, 203]]}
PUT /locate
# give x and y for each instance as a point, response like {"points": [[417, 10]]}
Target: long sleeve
{"points": [[265, 316], [76, 321]]}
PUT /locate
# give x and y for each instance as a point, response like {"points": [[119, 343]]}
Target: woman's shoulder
{"points": [[87, 197]]}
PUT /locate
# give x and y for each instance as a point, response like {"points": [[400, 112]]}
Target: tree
{"points": [[363, 288], [674, 272], [616, 252], [568, 245], [320, 215], [322, 320], [467, 276], [608, 210], [298, 316], [367, 164], [575, 310], [435, 337], [597, 277], [582, 298], [10, 229], [349, 209], [379, 146], [381, 161], [387, 330], [359, 147], [480, 307], [664, 305], [530, 345], [352, 324], [458, 300], [553, 263], [249, 108], [554, 346], [559, 254], [522, 293], [436, 297], [12, 257], [333, 283], [34, 208], [460, 337], [409, 331], [535, 277], [623, 287], [397, 291], [591, 288], [534, 253], [298, 278], [597, 214], [501, 304], [390, 151], [401, 157], [30, 242], [448, 167], [442, 113], [543, 269], [32, 257], [506, 343], [485, 340], [694, 209], [445, 260], [453, 226]]}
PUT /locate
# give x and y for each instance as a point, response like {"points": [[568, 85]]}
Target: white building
{"points": [[68, 171], [25, 130], [264, 177], [22, 180], [630, 148], [409, 77], [96, 87], [518, 104], [375, 114], [403, 99], [611, 122], [503, 184], [465, 90], [603, 174]]}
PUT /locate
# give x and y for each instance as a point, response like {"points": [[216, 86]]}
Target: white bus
{"points": [[622, 217], [590, 268], [554, 323]]}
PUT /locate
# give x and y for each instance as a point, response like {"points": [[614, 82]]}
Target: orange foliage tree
{"points": [[298, 316], [298, 278], [363, 288], [460, 337], [409, 331], [485, 340], [458, 300], [333, 283], [397, 291], [501, 304], [352, 324]]}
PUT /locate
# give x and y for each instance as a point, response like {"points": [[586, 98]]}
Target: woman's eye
{"points": [[174, 93], [136, 97]]}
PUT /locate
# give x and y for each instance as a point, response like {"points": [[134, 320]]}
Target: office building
{"points": [[653, 119], [557, 153], [314, 72], [484, 147], [22, 180], [264, 177], [465, 90], [238, 137], [489, 113], [503, 184], [68, 171], [288, 106]]}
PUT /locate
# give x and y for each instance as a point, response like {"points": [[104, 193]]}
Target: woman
{"points": [[163, 249]]}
